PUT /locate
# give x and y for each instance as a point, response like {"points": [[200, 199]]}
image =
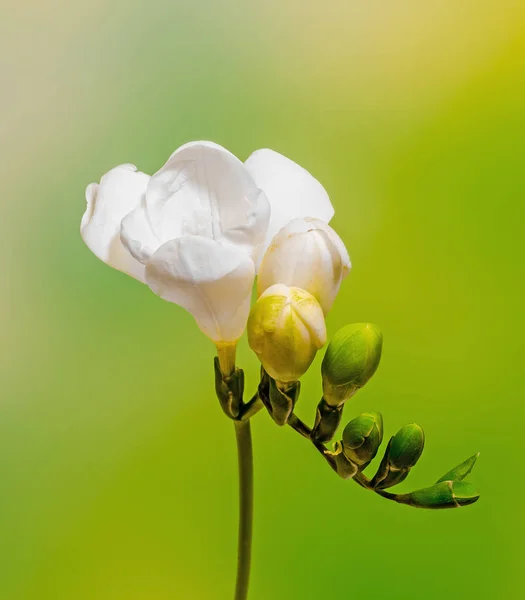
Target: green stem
{"points": [[295, 423], [251, 408], [363, 481], [245, 458]]}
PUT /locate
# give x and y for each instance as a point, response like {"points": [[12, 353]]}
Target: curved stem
{"points": [[363, 481], [245, 458], [251, 408], [360, 478], [295, 423]]}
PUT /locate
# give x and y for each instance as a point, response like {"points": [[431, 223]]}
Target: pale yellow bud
{"points": [[286, 327]]}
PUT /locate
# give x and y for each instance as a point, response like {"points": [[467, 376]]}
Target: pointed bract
{"points": [[461, 471]]}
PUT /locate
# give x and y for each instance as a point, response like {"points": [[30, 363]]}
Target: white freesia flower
{"points": [[308, 254], [195, 230]]}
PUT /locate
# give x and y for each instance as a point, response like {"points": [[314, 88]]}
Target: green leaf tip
{"points": [[461, 471], [446, 494]]}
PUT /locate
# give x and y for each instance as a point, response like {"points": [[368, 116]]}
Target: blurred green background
{"points": [[117, 467]]}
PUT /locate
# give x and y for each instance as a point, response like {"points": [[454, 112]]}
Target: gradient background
{"points": [[117, 468]]}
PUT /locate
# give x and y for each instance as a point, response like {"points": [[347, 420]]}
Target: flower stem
{"points": [[226, 352], [245, 458]]}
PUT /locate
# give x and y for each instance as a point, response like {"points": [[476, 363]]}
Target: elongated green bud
{"points": [[362, 438], [461, 471], [351, 359], [402, 453], [447, 494], [286, 327]]}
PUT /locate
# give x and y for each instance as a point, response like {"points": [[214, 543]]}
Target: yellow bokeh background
{"points": [[117, 467]]}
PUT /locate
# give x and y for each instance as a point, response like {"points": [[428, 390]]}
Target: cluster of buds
{"points": [[285, 329]]}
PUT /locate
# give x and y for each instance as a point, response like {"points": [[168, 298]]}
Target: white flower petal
{"points": [[292, 192], [211, 280], [205, 190], [137, 235], [119, 191], [308, 254]]}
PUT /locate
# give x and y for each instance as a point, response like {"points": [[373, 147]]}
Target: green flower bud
{"points": [[402, 453], [447, 494], [362, 438], [286, 327], [351, 359], [407, 446]]}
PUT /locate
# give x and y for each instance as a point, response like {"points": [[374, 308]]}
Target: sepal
{"points": [[344, 467], [461, 471], [327, 421], [229, 390], [282, 399]]}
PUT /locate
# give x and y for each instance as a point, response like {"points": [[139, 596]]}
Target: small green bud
{"points": [[286, 327], [351, 359], [402, 453], [407, 446], [446, 494], [461, 471], [362, 438]]}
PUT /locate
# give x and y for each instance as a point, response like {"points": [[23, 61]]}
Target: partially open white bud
{"points": [[286, 327], [308, 254]]}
